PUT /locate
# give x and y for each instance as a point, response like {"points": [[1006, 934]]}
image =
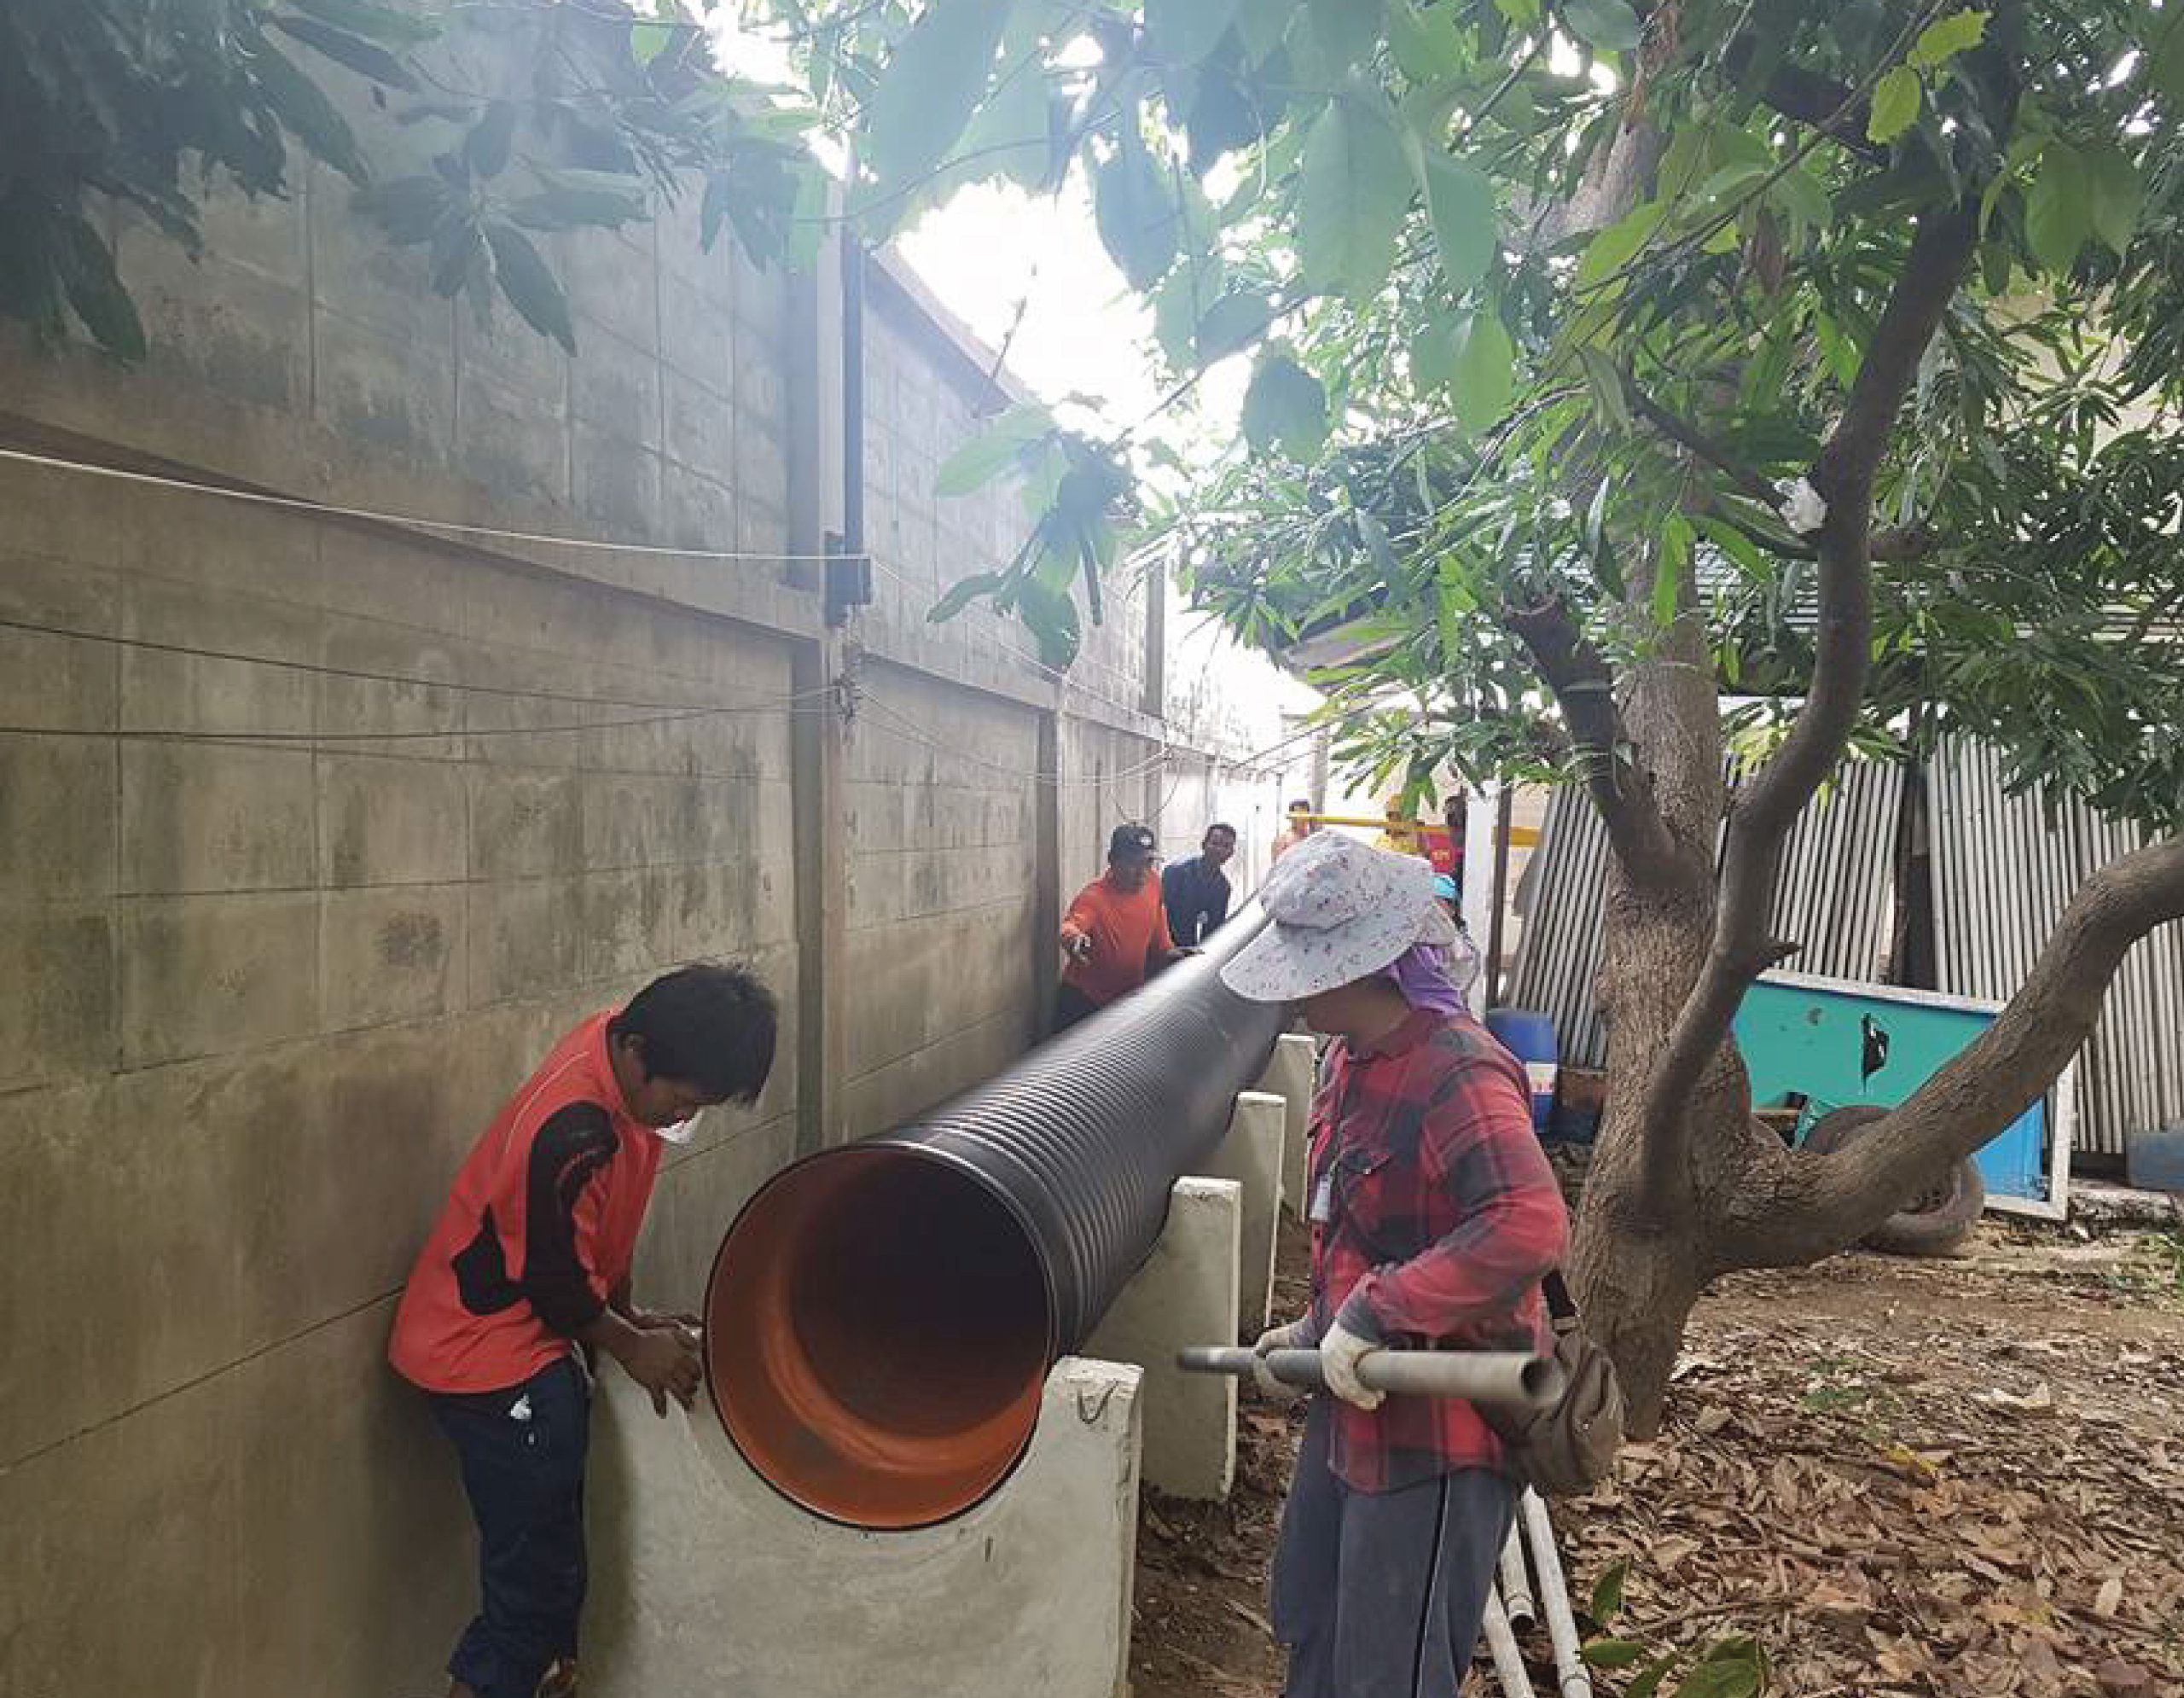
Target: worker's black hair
{"points": [[711, 1026], [1304, 803], [1221, 826]]}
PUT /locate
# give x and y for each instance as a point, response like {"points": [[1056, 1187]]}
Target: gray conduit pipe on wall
{"points": [[881, 1317]]}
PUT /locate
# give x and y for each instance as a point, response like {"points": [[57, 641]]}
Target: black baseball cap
{"points": [[1131, 843]]}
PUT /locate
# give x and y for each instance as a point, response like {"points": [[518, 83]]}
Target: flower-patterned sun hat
{"points": [[1339, 911]]}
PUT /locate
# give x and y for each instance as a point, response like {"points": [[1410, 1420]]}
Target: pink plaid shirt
{"points": [[1435, 1216]]}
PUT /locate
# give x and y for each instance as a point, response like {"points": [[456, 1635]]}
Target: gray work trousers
{"points": [[1380, 1594]]}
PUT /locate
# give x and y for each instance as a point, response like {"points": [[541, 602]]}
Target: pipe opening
{"points": [[877, 1336]]}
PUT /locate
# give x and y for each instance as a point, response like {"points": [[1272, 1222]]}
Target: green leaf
{"points": [[931, 86], [1609, 24], [304, 109], [1233, 323], [1648, 1681], [485, 148], [1347, 32], [1426, 44], [1613, 1653], [2118, 191], [1668, 572], [1261, 25], [408, 208], [1352, 193], [1460, 200], [1524, 13], [1131, 205], [648, 39], [1618, 245], [1604, 378], [993, 450], [1803, 196], [1009, 137], [367, 59], [1485, 372], [1285, 407], [374, 23], [1184, 32], [578, 200], [1433, 352], [95, 289], [530, 286], [1896, 104], [1732, 1668], [2165, 63], [962, 593], [2058, 212], [1051, 616], [1943, 40], [455, 246]]}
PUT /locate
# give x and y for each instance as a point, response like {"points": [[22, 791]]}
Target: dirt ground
{"points": [[1900, 1479]]}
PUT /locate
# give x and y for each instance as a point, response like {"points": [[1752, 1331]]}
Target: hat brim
{"points": [[1287, 963]]}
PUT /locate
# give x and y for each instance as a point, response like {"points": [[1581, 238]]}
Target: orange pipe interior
{"points": [[877, 1336]]}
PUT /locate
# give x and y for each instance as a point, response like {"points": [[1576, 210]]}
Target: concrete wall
{"points": [[943, 849], [316, 831]]}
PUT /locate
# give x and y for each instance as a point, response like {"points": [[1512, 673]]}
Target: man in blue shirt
{"points": [[1196, 893]]}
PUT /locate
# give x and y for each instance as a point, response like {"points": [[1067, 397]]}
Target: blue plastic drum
{"points": [[1531, 1038]]}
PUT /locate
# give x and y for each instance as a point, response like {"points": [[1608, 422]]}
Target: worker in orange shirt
{"points": [[1115, 934], [527, 1276]]}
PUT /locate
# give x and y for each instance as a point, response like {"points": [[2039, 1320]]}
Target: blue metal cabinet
{"points": [[1838, 1042]]}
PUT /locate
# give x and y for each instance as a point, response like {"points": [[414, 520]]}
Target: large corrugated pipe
{"points": [[881, 1317]]}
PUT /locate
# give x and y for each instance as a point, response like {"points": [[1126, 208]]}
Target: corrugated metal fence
{"points": [[1836, 899], [2003, 871]]}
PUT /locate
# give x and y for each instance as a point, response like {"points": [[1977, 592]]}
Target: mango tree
{"points": [[1628, 375]]}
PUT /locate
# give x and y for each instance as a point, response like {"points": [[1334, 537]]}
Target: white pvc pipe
{"points": [[1479, 1376], [1555, 1600], [1516, 1584], [1502, 1645]]}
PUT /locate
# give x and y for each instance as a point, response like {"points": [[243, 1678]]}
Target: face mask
{"points": [[681, 1132]]}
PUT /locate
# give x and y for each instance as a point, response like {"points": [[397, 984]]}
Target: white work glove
{"points": [[1340, 1351], [1297, 1335], [1078, 946]]}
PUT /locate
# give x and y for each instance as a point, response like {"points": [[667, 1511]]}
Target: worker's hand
{"points": [[665, 1362], [1076, 946], [1340, 1351], [663, 1320], [1181, 954], [1297, 1335]]}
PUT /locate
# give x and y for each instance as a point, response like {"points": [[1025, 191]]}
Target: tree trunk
{"points": [[1639, 1262]]}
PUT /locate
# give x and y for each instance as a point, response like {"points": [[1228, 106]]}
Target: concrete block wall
{"points": [[279, 933], [942, 842], [306, 856]]}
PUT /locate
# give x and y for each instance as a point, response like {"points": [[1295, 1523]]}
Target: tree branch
{"points": [[1769, 805], [1688, 437], [1836, 110], [2017, 1058], [1818, 1204], [1584, 687]]}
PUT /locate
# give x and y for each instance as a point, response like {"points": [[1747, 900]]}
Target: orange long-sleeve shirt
{"points": [[1128, 930]]}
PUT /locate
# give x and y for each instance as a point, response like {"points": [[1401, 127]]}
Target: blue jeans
{"points": [[522, 1451], [1380, 1594]]}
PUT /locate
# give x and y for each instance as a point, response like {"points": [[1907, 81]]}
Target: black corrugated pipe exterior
{"points": [[881, 1317]]}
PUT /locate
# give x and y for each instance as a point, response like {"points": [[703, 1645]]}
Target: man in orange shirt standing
{"points": [[530, 1261], [1115, 934]]}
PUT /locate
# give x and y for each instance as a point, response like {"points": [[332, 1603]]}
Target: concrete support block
{"points": [[705, 1585], [1252, 1155], [1294, 1075], [1186, 1293]]}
